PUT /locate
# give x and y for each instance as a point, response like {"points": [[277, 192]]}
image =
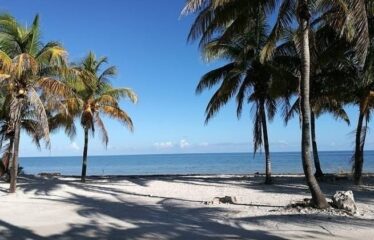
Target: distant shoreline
{"points": [[162, 154]]}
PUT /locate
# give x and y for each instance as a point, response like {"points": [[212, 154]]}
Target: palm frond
{"points": [[32, 39], [119, 93], [224, 93], [119, 115], [24, 63], [194, 5], [104, 133], [243, 93], [32, 128], [52, 53], [54, 87], [294, 109], [213, 77], [6, 61], [107, 73], [64, 121], [284, 19], [37, 104]]}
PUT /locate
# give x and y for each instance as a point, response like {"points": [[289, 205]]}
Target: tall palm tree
{"points": [[245, 77], [363, 96], [94, 97], [249, 83], [336, 13], [347, 17], [32, 67], [365, 100], [328, 59]]}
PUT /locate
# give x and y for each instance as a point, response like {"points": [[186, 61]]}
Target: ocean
{"points": [[209, 163]]}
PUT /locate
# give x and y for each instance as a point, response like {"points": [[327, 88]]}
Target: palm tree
{"points": [[363, 96], [245, 77], [338, 14], [251, 85], [94, 96], [366, 104], [328, 60], [31, 68]]}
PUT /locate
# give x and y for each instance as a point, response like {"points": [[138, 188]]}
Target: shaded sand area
{"points": [[171, 207]]}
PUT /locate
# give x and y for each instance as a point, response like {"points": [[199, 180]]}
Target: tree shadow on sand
{"points": [[163, 221], [294, 185], [124, 217]]}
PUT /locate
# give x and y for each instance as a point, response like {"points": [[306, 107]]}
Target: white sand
{"points": [[171, 208]]}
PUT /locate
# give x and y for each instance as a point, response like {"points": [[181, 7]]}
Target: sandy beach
{"points": [[172, 207]]}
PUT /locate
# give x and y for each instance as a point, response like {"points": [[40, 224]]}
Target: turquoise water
{"points": [[217, 163]]}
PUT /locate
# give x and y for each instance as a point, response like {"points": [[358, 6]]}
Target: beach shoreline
{"points": [[170, 207]]}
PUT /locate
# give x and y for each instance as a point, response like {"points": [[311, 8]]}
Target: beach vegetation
{"points": [[30, 71], [222, 19]]}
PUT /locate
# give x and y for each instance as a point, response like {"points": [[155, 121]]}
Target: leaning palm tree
{"points": [[234, 13], [32, 68], [95, 96]]}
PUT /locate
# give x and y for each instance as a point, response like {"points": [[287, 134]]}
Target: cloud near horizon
{"points": [[74, 146], [163, 145], [183, 143]]}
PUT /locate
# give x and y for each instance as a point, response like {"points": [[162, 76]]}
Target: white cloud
{"points": [[163, 145], [183, 143], [74, 146]]}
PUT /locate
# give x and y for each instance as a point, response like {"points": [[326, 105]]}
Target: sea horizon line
{"points": [[192, 153]]}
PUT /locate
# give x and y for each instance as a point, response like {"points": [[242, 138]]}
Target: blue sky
{"points": [[146, 40]]}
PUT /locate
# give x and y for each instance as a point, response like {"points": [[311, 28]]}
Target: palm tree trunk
{"points": [[318, 198], [15, 128], [317, 164], [268, 179], [84, 164], [14, 169], [359, 155]]}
